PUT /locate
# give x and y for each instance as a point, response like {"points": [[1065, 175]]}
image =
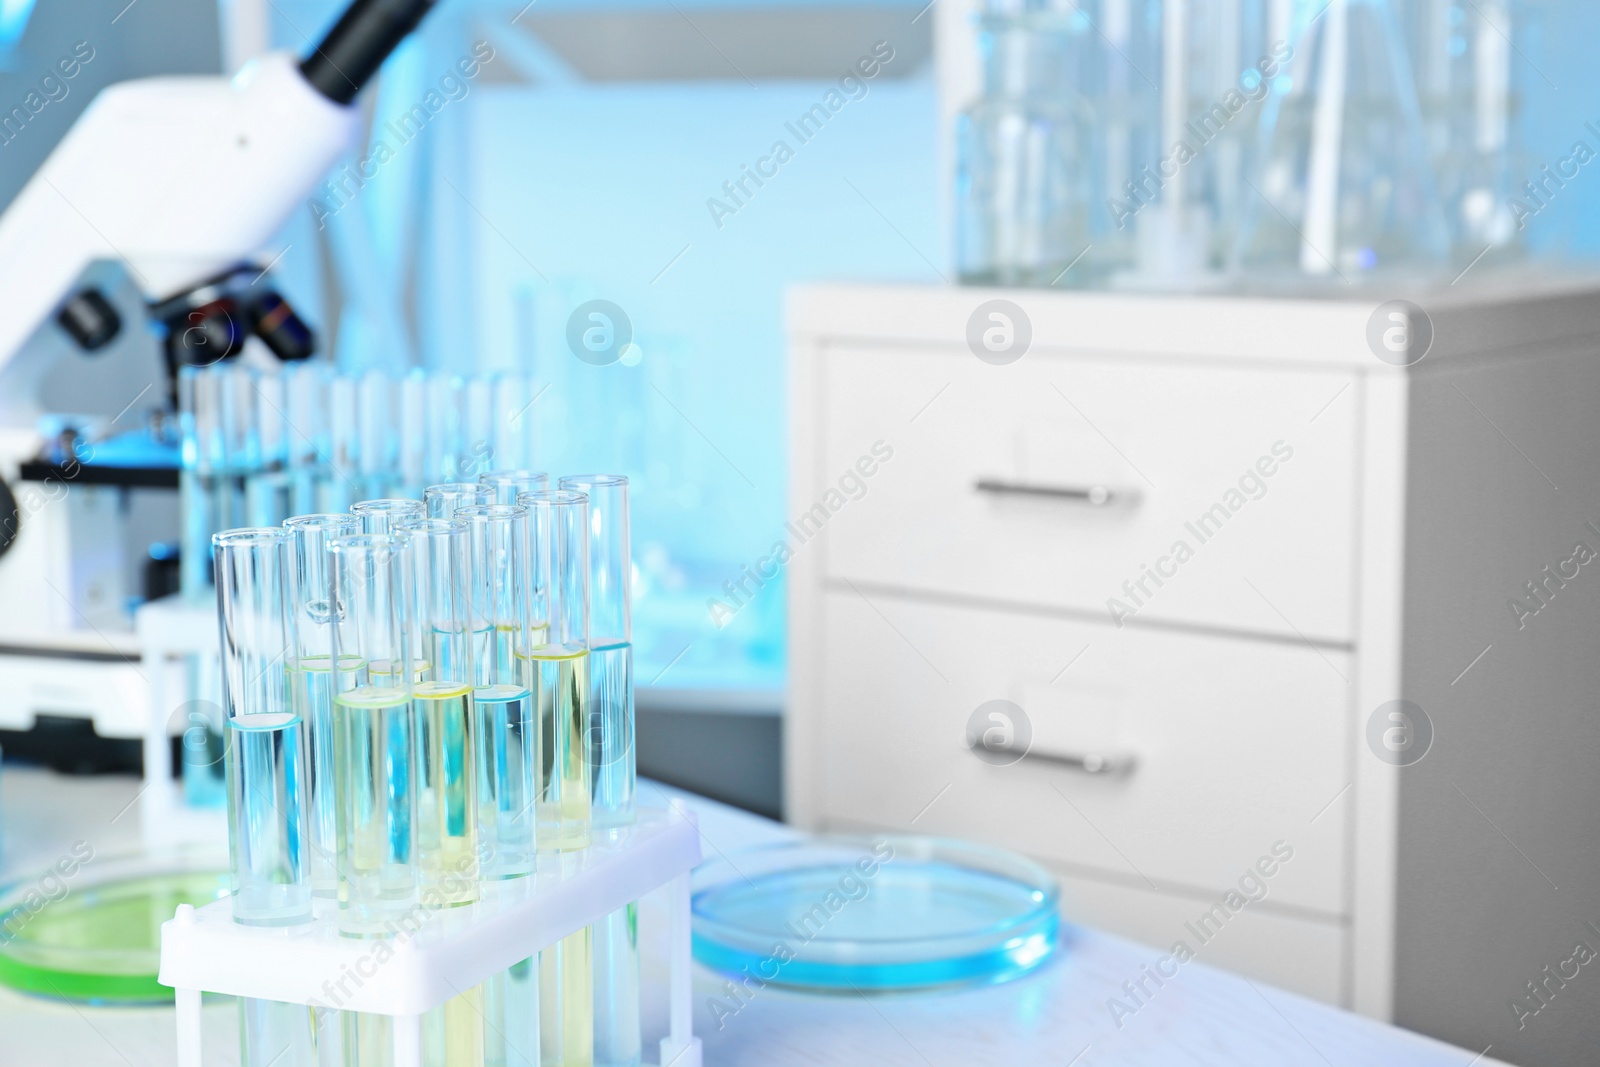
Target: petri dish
{"points": [[847, 914], [93, 934]]}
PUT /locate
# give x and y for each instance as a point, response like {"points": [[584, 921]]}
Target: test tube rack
{"points": [[453, 949]]}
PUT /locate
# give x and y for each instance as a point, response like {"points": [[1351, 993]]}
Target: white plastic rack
{"points": [[204, 951]]}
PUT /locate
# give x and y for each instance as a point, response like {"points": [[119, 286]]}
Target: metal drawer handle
{"points": [[1096, 496], [1106, 763]]}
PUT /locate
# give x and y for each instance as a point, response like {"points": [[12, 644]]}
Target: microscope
{"points": [[182, 181]]}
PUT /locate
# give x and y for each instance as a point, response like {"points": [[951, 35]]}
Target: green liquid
{"points": [[559, 680], [101, 942]]}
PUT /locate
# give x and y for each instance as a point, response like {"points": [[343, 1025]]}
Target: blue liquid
{"points": [[275, 1034], [268, 843], [315, 688], [950, 924], [611, 754], [511, 1015], [508, 759], [616, 989]]}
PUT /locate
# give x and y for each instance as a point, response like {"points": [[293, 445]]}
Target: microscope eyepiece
{"points": [[351, 53]]}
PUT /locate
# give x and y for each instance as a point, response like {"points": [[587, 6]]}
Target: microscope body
{"points": [[185, 180]]}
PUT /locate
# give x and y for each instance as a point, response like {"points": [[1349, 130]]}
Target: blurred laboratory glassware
{"points": [[510, 484], [378, 515], [1467, 92], [444, 500], [1344, 185], [1024, 169]]}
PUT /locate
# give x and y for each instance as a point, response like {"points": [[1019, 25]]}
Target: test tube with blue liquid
{"points": [[557, 672], [508, 755], [316, 677], [611, 755], [265, 758]]}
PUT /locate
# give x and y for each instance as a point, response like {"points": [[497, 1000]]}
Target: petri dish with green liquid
{"points": [[88, 928]]}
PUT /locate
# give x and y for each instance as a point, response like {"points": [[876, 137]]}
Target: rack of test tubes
{"points": [[435, 852]]}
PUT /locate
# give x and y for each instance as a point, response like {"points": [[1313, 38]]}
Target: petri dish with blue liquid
{"points": [[886, 913]]}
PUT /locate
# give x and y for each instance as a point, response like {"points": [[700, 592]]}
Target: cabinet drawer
{"points": [[1238, 743], [1231, 488]]}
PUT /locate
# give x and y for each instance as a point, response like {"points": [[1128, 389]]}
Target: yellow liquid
{"points": [[566, 1015], [452, 1033], [447, 815], [559, 681], [376, 846]]}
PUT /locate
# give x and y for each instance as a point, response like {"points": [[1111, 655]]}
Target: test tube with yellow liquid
{"points": [[556, 667], [446, 775]]}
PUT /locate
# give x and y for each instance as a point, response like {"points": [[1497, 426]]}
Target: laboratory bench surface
{"points": [[1058, 1015]]}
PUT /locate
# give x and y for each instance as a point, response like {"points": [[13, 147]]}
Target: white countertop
{"points": [[1057, 1015]]}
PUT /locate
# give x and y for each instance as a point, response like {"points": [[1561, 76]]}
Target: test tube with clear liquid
{"points": [[508, 755], [557, 672], [316, 677], [611, 755], [265, 762], [375, 740]]}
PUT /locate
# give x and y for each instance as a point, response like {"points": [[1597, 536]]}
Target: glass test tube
{"points": [[380, 442], [557, 663], [557, 672], [611, 755], [375, 748], [508, 756], [447, 817], [443, 500], [316, 678], [447, 808], [266, 781], [611, 718], [514, 398], [508, 722], [510, 484], [377, 515], [265, 760]]}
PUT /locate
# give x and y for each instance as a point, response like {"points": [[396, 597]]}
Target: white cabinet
{"points": [[1201, 545]]}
